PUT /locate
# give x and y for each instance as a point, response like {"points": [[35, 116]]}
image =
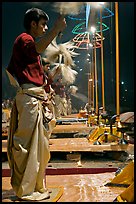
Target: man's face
{"points": [[41, 27], [46, 67]]}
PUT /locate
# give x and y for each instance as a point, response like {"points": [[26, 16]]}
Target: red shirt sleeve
{"points": [[25, 62], [28, 46]]}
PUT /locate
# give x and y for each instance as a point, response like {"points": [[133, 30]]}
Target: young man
{"points": [[60, 98], [28, 147], [50, 76]]}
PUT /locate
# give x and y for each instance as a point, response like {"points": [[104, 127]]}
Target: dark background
{"points": [[12, 26]]}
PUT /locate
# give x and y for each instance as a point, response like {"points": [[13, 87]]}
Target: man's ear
{"points": [[33, 24]]}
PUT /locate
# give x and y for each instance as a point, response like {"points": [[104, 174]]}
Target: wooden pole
{"points": [[102, 62], [117, 60], [92, 76], [96, 80], [89, 85]]}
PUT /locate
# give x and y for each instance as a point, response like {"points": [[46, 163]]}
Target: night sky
{"points": [[12, 26]]}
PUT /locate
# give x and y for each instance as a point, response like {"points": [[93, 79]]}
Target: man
{"points": [[28, 147], [60, 98], [50, 76]]}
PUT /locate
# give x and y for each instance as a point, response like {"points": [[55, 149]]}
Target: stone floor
{"points": [[82, 179], [76, 188]]}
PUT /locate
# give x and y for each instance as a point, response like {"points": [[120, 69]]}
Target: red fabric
{"points": [[47, 86], [25, 61], [59, 89]]}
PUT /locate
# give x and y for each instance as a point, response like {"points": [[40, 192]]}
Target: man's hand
{"points": [[60, 23]]}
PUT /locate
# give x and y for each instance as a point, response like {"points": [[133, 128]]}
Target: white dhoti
{"points": [[60, 106], [57, 106], [69, 107], [28, 146], [64, 106]]}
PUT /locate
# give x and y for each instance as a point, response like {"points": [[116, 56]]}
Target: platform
{"points": [[73, 144], [72, 128], [84, 183], [76, 187], [78, 145]]}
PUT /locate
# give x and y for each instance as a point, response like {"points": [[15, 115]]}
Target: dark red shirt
{"points": [[49, 82], [59, 89], [25, 63]]}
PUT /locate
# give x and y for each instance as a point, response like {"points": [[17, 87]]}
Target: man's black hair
{"points": [[45, 62], [34, 14]]}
